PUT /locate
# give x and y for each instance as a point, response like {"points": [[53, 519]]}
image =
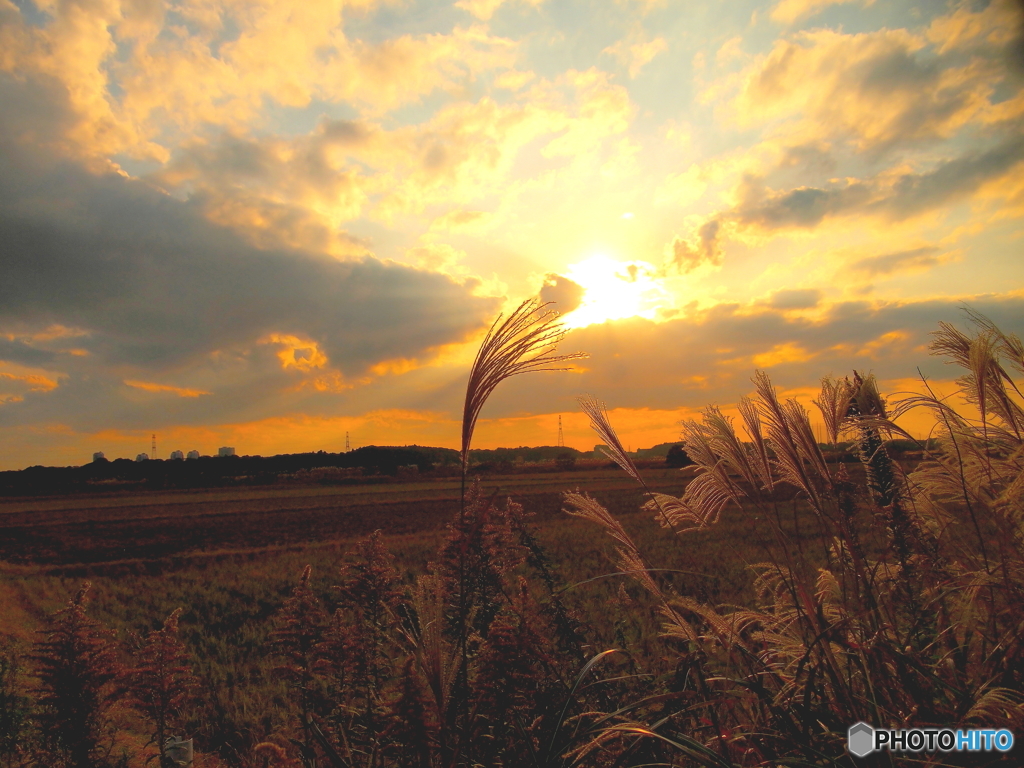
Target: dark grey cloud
{"points": [[687, 255], [345, 132], [804, 207], [911, 194], [15, 351], [1015, 49], [794, 298], [35, 109], [231, 159], [908, 195], [951, 180], [565, 293], [887, 263], [158, 286]]}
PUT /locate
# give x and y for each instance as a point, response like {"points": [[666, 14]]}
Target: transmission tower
{"points": [[561, 437], [347, 446], [153, 448]]}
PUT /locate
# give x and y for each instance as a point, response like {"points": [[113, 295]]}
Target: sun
{"points": [[614, 290]]}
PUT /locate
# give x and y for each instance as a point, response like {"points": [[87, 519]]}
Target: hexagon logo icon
{"points": [[860, 739]]}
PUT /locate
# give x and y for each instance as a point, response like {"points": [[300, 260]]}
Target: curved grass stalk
{"points": [[523, 342]]}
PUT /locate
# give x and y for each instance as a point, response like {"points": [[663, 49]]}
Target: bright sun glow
{"points": [[614, 290]]}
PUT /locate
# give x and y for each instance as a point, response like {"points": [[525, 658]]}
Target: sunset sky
{"points": [[265, 224]]}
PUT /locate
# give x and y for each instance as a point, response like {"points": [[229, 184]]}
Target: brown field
{"points": [[92, 529], [230, 556]]}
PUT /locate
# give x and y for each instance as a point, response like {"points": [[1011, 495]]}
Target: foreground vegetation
{"points": [[796, 596]]}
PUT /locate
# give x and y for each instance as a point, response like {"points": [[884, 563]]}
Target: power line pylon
{"points": [[347, 446], [153, 448], [561, 437]]}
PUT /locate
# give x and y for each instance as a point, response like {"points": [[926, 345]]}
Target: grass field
{"points": [[230, 557]]}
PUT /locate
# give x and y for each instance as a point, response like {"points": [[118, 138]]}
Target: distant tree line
{"points": [[363, 464], [211, 471]]}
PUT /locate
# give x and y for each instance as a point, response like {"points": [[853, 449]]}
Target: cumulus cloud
{"points": [[137, 294], [460, 220], [484, 9], [301, 190], [293, 192], [918, 121], [995, 25], [143, 76]]}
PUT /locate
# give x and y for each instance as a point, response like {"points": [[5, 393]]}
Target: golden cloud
{"points": [[300, 354], [873, 89], [790, 11], [34, 382], [170, 79], [148, 386], [992, 26]]}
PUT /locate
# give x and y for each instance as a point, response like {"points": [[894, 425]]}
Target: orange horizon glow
{"points": [[637, 428]]}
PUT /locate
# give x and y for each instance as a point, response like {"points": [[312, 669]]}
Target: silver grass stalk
{"points": [[752, 424], [523, 342], [602, 425], [792, 439], [834, 403]]}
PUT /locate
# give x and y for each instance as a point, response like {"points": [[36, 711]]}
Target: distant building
{"points": [[98, 456], [177, 455], [193, 454], [142, 457], [226, 451]]}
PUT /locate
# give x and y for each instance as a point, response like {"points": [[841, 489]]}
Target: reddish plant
{"points": [[162, 682], [76, 666], [298, 638]]}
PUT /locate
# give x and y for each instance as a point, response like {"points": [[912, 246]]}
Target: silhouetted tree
{"points": [[677, 457]]}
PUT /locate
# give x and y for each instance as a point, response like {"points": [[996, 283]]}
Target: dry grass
{"points": [[524, 342], [925, 630]]}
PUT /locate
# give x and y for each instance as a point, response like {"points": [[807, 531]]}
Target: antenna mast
{"points": [[153, 449], [347, 446], [561, 437]]}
